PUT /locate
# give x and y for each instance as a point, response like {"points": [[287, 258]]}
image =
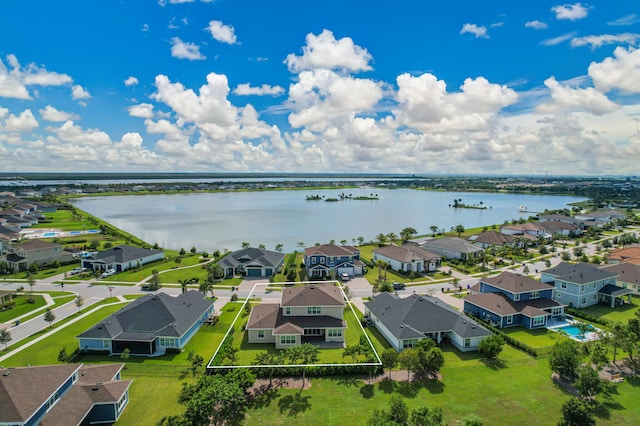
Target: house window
{"points": [[516, 297], [314, 260], [322, 260], [167, 341], [313, 332], [260, 334], [509, 319], [534, 295], [409, 343], [334, 332], [538, 321], [288, 340], [467, 342], [595, 297], [558, 296], [584, 300], [122, 402], [563, 284], [287, 310], [106, 344], [314, 310]]}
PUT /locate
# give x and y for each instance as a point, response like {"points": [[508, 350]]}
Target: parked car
{"points": [[108, 273], [344, 277], [398, 286], [77, 271]]}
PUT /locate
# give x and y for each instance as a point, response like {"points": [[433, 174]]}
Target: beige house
{"points": [[5, 297], [306, 314], [23, 255]]}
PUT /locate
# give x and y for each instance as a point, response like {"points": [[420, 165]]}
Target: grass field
{"points": [[22, 307], [619, 313]]}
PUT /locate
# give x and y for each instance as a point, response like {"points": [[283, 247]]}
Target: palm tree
{"points": [[382, 270], [459, 229], [301, 244], [183, 285], [433, 229], [392, 236], [360, 241], [206, 287], [381, 238]]}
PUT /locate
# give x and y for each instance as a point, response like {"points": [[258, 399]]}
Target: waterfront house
{"points": [[407, 258], [252, 262], [600, 217], [581, 285], [492, 239], [21, 256], [628, 254], [330, 260], [64, 394], [312, 313], [509, 299], [405, 321], [453, 248], [121, 258], [149, 325]]}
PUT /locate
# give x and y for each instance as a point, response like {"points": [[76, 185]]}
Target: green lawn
{"points": [[22, 307], [516, 391], [536, 338], [619, 313], [65, 220], [46, 351]]}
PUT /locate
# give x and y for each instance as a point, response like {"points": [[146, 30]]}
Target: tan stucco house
{"points": [[23, 255], [310, 313]]}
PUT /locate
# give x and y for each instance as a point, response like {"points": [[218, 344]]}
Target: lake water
{"points": [[223, 220]]}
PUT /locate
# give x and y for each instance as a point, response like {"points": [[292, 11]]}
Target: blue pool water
{"points": [[573, 331], [49, 234]]}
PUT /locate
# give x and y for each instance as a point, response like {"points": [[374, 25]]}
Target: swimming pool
{"points": [[574, 332], [49, 234]]}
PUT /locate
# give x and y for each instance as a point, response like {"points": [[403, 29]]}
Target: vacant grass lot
{"points": [[537, 338]]}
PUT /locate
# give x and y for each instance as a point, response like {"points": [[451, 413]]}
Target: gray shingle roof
{"points": [[251, 255], [330, 250], [312, 295], [406, 253], [152, 315], [500, 304], [415, 316], [123, 254], [516, 283], [454, 244], [579, 273], [269, 316], [492, 237]]}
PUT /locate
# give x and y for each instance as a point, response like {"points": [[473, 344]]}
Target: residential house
{"points": [[453, 248], [252, 262], [528, 229], [509, 299], [628, 254], [121, 258], [330, 260], [149, 325], [492, 239], [311, 313], [558, 218], [64, 394], [560, 228], [21, 256], [405, 321], [407, 258], [628, 275], [600, 217], [581, 285]]}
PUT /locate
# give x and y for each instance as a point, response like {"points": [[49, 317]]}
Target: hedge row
{"points": [[588, 317], [320, 371]]}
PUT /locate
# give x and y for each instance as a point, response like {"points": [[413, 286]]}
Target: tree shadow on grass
{"points": [[602, 410], [264, 397], [348, 381], [294, 404], [407, 389], [367, 391], [433, 386], [494, 364], [387, 386]]}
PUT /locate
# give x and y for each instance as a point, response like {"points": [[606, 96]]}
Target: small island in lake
{"points": [[341, 197], [458, 204]]}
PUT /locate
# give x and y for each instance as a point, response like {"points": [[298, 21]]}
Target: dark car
{"points": [[398, 286]]}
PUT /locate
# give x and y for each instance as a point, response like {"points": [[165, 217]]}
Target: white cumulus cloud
{"points": [[536, 25], [247, 89], [600, 40], [50, 113], [221, 32], [78, 93], [478, 31], [25, 122], [571, 12], [142, 110], [325, 52], [14, 82], [622, 71], [185, 50], [587, 99], [131, 81]]}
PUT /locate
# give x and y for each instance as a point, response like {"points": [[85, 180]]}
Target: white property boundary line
{"points": [[267, 284]]}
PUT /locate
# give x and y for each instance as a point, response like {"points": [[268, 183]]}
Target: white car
{"points": [[108, 273], [344, 277]]}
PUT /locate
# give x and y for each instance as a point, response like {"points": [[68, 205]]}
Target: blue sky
{"points": [[320, 86]]}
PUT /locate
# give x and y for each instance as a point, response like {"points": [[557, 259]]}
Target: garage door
{"points": [[254, 272], [348, 271]]}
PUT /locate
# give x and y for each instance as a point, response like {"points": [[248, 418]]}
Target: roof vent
{"points": [[95, 388], [6, 373]]}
